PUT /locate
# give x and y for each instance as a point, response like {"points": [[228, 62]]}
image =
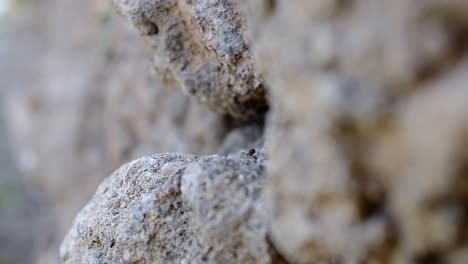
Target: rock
{"points": [[88, 105], [200, 46], [111, 110], [367, 133], [174, 208], [366, 137], [143, 116], [228, 213]]}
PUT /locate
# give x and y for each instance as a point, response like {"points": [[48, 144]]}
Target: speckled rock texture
{"points": [[366, 137], [78, 101], [175, 208], [367, 134], [200, 46]]}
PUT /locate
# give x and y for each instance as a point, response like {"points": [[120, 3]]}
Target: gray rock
{"points": [[228, 212], [367, 134], [200, 46], [65, 140], [174, 208], [111, 111]]}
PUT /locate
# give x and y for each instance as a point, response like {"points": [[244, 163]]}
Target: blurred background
{"points": [[76, 102]]}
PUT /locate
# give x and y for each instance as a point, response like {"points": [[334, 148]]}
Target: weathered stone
{"points": [[367, 135], [173, 208], [200, 46], [79, 105], [228, 212]]}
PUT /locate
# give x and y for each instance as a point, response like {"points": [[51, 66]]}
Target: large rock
{"points": [[367, 135], [174, 208], [200, 46], [368, 131], [80, 101]]}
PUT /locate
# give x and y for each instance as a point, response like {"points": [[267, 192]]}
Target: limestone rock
{"points": [[200, 46], [174, 208], [367, 134]]}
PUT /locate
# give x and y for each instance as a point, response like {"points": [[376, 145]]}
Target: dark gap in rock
{"points": [[276, 257], [270, 7], [460, 188], [255, 104], [242, 134], [343, 6], [231, 123], [431, 257], [456, 29], [460, 191], [150, 29], [369, 190], [371, 196]]}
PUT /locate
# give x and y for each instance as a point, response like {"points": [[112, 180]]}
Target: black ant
{"points": [[249, 154]]}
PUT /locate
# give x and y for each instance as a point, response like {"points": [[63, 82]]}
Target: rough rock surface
{"points": [[79, 101], [200, 46], [368, 131], [366, 139], [174, 208]]}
